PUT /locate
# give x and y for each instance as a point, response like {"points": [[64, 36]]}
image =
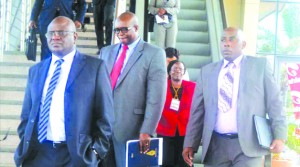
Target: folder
{"points": [[151, 158], [263, 130]]}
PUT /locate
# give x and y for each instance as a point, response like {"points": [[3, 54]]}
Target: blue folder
{"points": [[152, 158]]}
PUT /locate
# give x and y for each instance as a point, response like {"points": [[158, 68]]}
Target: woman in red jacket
{"points": [[175, 116]]}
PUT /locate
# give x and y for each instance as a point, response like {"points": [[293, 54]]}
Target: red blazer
{"points": [[171, 119]]}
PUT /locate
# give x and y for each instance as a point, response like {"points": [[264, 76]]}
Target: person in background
{"points": [[174, 54], [44, 11], [103, 17], [165, 33], [139, 83], [132, 6], [67, 112], [227, 96], [175, 115]]}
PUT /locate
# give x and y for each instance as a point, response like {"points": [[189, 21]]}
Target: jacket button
{"points": [[32, 121], [27, 142]]}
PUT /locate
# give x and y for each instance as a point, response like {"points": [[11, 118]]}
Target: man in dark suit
{"points": [[139, 89], [227, 96], [44, 11], [68, 108], [103, 16]]}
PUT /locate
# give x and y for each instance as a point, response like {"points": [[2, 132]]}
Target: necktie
{"points": [[114, 75], [44, 114], [226, 89]]}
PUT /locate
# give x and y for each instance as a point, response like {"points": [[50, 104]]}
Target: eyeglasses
{"points": [[50, 34], [177, 69], [122, 29]]}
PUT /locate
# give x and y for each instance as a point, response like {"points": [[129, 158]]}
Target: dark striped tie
{"points": [[226, 89], [44, 114]]}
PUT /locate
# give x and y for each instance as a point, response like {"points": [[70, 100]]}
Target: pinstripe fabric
{"points": [[44, 114]]}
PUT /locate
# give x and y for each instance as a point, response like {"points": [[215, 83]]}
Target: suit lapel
{"points": [[215, 77], [133, 58], [245, 65], [213, 85], [42, 75], [112, 57], [77, 65]]}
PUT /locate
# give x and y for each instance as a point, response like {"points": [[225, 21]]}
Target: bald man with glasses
{"points": [[67, 110], [138, 77]]}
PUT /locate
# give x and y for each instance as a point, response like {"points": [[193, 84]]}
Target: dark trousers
{"points": [[109, 160], [172, 151], [103, 16], [45, 52], [46, 155], [226, 152]]}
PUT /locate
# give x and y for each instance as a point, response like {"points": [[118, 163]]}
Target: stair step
{"points": [[7, 159], [20, 57], [194, 4], [10, 93], [11, 124], [12, 82], [195, 61], [193, 48], [87, 43], [10, 102], [10, 143], [88, 51], [87, 38], [193, 37], [190, 14], [12, 110], [86, 34], [192, 25], [14, 69]]}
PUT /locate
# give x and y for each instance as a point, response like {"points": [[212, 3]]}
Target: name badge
{"points": [[175, 103]]}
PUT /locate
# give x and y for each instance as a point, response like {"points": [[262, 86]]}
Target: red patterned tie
{"points": [[114, 75]]}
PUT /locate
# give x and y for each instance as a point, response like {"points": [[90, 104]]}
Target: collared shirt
{"points": [[56, 123], [129, 52], [227, 122]]}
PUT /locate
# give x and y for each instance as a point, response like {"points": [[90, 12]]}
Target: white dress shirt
{"points": [[227, 122], [56, 123]]}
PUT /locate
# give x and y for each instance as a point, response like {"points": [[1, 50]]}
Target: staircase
{"points": [[193, 36], [193, 40]]}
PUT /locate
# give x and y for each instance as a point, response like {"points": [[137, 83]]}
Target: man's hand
{"points": [[77, 24], [31, 25], [277, 146], [188, 155], [144, 142]]}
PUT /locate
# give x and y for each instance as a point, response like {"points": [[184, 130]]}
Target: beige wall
{"points": [[244, 14]]}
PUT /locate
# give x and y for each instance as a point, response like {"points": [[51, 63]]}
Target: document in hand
{"points": [[151, 158], [263, 130], [163, 20]]}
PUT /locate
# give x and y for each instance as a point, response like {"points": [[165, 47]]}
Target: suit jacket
{"points": [[88, 110], [45, 10], [258, 95], [171, 119], [140, 91]]}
